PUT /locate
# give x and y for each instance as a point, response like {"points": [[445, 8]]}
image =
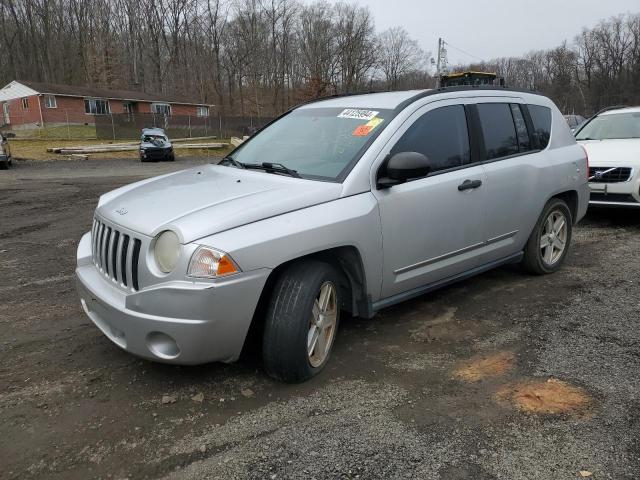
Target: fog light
{"points": [[162, 345]]}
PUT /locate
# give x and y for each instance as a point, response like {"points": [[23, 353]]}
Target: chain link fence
{"points": [[66, 124]]}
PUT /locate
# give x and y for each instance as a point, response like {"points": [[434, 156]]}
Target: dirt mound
{"points": [[478, 368], [550, 396]]}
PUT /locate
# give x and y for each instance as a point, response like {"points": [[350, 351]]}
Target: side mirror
{"points": [[404, 166]]}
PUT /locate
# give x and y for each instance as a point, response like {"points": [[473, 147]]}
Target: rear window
{"points": [[541, 118], [498, 130]]}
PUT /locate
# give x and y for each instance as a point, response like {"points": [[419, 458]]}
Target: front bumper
{"points": [[181, 322], [620, 194], [156, 153]]}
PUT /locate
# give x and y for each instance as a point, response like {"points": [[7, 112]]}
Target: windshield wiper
{"points": [[229, 160], [270, 167]]}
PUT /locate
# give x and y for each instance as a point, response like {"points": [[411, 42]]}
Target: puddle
{"points": [[550, 396], [484, 366]]}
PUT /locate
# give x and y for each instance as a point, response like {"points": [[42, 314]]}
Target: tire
{"points": [[540, 260], [172, 158], [289, 329]]}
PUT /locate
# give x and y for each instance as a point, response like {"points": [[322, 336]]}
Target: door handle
{"points": [[469, 184]]}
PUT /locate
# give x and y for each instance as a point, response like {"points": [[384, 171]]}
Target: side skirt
{"points": [[416, 292]]}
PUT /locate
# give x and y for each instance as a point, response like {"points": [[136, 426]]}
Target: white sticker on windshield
{"points": [[358, 114]]}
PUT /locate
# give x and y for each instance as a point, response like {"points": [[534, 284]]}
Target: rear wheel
{"points": [[301, 322], [548, 244]]}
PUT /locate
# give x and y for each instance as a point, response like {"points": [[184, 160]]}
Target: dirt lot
{"points": [[504, 376]]}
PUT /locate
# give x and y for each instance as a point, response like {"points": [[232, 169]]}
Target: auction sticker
{"points": [[358, 114]]}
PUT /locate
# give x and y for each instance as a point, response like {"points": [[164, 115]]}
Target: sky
{"points": [[493, 28]]}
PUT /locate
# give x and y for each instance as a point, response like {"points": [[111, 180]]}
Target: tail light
{"points": [[586, 154]]}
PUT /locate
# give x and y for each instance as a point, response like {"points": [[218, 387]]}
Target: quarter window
{"points": [[96, 106], [524, 143], [541, 118], [50, 101], [441, 135], [498, 130]]}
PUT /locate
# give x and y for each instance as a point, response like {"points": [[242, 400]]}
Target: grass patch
{"points": [[71, 132], [36, 149]]}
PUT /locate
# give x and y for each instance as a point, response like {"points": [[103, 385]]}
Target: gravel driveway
{"points": [[503, 376]]}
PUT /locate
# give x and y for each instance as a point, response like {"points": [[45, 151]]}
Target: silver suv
{"points": [[349, 203]]}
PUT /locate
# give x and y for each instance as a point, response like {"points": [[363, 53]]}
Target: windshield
{"points": [[316, 142], [612, 126]]}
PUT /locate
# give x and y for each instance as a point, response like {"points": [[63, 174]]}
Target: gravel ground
{"points": [[503, 376]]}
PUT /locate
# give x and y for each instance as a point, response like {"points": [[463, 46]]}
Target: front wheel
{"points": [[548, 244], [301, 322]]}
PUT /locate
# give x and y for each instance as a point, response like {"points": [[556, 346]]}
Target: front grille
{"points": [[115, 254], [609, 174]]}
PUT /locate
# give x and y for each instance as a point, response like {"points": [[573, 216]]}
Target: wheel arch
{"points": [[348, 262], [570, 197]]}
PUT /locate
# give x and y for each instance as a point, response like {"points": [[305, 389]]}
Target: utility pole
{"points": [[441, 65]]}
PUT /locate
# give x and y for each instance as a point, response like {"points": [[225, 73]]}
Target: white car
{"points": [[612, 141]]}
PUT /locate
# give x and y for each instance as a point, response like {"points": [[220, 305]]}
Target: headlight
{"points": [[167, 251], [209, 263]]}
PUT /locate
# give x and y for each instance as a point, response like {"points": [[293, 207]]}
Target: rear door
{"points": [[512, 162], [432, 227]]}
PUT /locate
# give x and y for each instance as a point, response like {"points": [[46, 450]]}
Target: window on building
{"points": [[498, 129], [25, 103], [202, 111], [541, 118], [96, 106], [161, 109], [441, 135], [50, 101]]}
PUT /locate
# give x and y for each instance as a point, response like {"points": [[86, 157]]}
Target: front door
{"points": [[432, 227]]}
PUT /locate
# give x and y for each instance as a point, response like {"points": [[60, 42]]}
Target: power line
{"points": [[466, 53]]}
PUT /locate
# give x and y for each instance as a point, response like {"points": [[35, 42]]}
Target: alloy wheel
{"points": [[322, 325], [553, 239]]}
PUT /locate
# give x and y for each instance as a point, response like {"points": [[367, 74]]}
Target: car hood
{"points": [[156, 144], [615, 153], [209, 199]]}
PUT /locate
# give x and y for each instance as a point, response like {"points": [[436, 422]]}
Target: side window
{"points": [[524, 143], [441, 135], [498, 130], [541, 118]]}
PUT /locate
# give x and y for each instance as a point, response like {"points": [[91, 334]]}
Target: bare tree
{"points": [[398, 55]]}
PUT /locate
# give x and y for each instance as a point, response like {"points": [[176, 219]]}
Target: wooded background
{"points": [[259, 57]]}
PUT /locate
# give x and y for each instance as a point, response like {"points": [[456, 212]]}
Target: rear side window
{"points": [[441, 135], [541, 118], [524, 143], [498, 130]]}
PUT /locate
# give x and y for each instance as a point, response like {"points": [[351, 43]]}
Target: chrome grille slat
{"points": [[129, 263], [112, 238], [103, 248], [100, 245], [94, 228], [610, 174], [118, 259], [113, 254]]}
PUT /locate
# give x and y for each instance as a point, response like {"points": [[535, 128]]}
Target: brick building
{"points": [[24, 104]]}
